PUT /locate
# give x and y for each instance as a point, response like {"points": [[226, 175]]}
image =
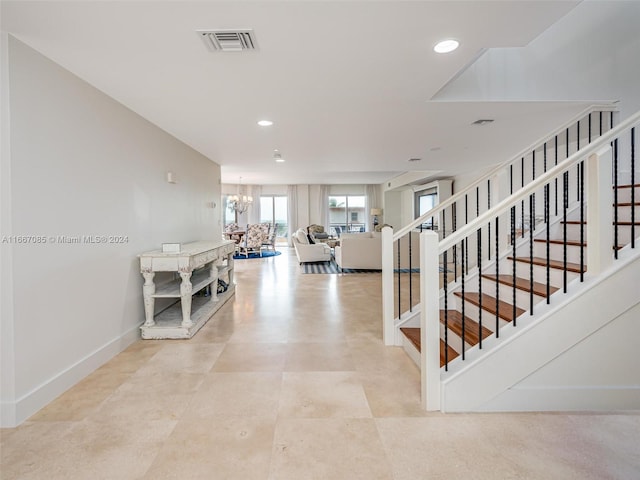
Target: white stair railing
{"points": [[598, 159], [488, 188]]}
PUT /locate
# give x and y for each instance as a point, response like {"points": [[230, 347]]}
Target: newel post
{"points": [[430, 321], [388, 328], [599, 211]]}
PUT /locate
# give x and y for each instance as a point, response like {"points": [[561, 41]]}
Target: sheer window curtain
{"points": [[254, 210], [292, 212], [323, 202], [372, 200]]}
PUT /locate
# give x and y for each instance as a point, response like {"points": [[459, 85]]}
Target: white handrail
{"points": [[453, 199], [531, 187]]}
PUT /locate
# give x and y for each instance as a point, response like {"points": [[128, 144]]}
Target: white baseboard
{"points": [[14, 413], [621, 398]]}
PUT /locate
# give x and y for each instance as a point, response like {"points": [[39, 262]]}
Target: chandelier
{"points": [[239, 203]]}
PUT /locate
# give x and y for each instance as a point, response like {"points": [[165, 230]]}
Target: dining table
{"points": [[235, 235]]}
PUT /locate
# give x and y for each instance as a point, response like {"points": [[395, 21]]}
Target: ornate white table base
{"points": [[186, 317]]}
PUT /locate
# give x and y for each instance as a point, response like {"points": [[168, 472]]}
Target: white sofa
{"points": [[310, 252], [360, 250], [364, 251]]}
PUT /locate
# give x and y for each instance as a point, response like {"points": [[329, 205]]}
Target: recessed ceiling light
{"points": [[265, 123], [446, 46]]}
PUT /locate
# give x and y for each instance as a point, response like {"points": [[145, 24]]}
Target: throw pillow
{"points": [[302, 237], [310, 238]]}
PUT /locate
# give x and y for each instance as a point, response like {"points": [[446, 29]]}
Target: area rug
{"points": [[265, 254], [325, 267]]}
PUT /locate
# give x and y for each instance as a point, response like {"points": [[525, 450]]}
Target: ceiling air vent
{"points": [[229, 40]]}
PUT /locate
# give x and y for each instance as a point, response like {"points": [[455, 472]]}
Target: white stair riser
{"points": [[624, 214], [556, 252], [506, 294], [540, 273], [471, 311], [453, 340], [624, 233], [624, 194]]}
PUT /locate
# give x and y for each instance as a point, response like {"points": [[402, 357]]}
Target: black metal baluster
{"points": [[633, 187], [531, 200], [399, 278], [446, 313], [479, 261], [546, 192], [513, 261], [454, 214], [497, 284], [578, 171], [615, 199], [466, 221], [489, 225], [532, 225], [410, 275], [581, 191], [589, 127], [556, 179], [522, 203], [565, 202], [548, 247], [463, 299], [567, 156], [600, 122]]}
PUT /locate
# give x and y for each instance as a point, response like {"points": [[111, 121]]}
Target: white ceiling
{"points": [[349, 85]]}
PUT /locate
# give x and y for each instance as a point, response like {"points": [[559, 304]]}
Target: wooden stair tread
{"points": [[489, 304], [413, 334], [556, 264], [454, 322], [523, 284], [628, 204], [637, 185], [573, 243]]}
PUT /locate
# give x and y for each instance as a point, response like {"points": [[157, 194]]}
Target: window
{"points": [[425, 200], [343, 208], [273, 209]]}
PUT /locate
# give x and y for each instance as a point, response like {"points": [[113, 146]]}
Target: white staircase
{"points": [[503, 332]]}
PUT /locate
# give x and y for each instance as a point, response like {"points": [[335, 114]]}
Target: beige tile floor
{"points": [[290, 380]]}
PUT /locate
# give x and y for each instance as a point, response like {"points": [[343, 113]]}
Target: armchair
{"points": [[310, 252]]}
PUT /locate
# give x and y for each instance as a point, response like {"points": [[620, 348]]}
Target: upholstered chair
{"points": [[252, 241]]}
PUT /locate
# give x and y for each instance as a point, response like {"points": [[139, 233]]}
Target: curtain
{"points": [[254, 210], [323, 202], [372, 200], [292, 212]]}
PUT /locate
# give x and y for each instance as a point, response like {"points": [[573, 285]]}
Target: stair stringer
{"points": [[493, 379]]}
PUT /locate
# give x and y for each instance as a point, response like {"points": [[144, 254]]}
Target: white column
{"points": [[388, 327], [429, 321], [599, 197]]}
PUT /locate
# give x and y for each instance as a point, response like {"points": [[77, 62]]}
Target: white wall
{"points": [[589, 55], [82, 164]]}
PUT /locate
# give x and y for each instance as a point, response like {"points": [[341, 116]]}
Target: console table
{"points": [[198, 265]]}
